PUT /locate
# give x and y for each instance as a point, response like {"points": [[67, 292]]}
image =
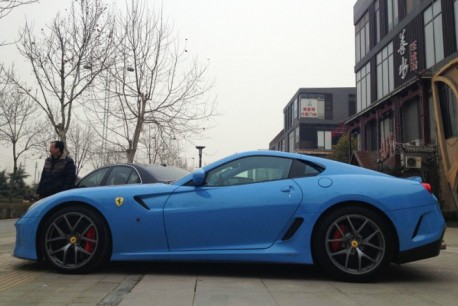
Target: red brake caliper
{"points": [[336, 245], [89, 246]]}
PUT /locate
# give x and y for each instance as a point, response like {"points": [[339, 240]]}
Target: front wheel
{"points": [[353, 244], [75, 239]]}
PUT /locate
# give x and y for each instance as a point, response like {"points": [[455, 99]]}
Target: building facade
{"points": [[406, 119], [312, 119]]}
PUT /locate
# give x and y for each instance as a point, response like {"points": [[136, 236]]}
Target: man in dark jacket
{"points": [[59, 172]]}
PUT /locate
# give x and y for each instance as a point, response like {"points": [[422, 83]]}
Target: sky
{"points": [[260, 52]]}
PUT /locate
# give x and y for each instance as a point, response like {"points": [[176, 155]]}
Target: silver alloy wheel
{"points": [[71, 240], [355, 244]]}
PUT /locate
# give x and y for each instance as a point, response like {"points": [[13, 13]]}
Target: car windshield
{"points": [[166, 174]]}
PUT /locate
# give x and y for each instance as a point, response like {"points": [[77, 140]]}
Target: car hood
{"points": [[96, 195], [125, 189]]}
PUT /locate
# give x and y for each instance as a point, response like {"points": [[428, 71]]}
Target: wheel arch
{"points": [[360, 204], [48, 214]]}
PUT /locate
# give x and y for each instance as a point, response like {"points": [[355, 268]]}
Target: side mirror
{"points": [[198, 177]]}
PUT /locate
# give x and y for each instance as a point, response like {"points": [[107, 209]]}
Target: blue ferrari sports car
{"points": [[258, 207]]}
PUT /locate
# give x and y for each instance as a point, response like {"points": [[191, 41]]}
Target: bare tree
{"points": [[112, 155], [6, 6], [152, 142], [20, 126], [153, 81], [80, 140], [66, 58], [159, 147], [5, 90]]}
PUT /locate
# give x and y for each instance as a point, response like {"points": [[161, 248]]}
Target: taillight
{"points": [[427, 187]]}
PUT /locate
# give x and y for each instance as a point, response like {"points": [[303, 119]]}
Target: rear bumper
{"points": [[425, 251]]}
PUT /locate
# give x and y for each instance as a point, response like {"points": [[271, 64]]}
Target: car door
{"points": [[244, 204]]}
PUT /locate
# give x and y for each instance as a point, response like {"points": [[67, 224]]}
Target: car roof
{"points": [[149, 173], [331, 166], [155, 172]]}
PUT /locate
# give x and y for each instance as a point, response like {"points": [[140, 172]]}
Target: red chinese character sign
{"points": [[309, 108]]}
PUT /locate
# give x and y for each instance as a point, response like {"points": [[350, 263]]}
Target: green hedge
{"points": [[13, 210]]}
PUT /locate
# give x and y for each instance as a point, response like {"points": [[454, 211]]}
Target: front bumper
{"points": [[25, 247]]}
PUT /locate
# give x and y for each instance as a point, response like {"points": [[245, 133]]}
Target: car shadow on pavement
{"points": [[410, 273], [393, 274], [248, 270]]}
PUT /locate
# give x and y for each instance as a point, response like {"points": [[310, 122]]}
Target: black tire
{"points": [[75, 239], [353, 244]]}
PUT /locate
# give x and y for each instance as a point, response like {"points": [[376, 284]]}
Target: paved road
{"points": [[429, 282]]}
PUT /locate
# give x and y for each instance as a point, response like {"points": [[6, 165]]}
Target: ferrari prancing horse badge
{"points": [[119, 201]]}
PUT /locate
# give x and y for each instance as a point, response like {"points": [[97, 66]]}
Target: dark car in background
{"points": [[120, 174]]}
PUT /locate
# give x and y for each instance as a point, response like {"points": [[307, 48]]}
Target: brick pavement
{"points": [[431, 281]]}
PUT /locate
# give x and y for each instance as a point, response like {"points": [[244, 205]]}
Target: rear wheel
{"points": [[353, 244], [75, 239]]}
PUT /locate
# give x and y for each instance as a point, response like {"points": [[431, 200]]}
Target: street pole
{"points": [[200, 148], [35, 176]]}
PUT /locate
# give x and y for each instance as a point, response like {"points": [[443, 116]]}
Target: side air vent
{"points": [[140, 201], [417, 227], [293, 229]]}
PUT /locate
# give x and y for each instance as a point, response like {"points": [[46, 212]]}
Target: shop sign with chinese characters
{"points": [[408, 53], [309, 108]]}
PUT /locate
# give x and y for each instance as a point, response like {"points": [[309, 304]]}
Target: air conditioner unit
{"points": [[412, 162]]}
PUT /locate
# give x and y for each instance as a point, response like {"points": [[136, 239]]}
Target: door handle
{"points": [[286, 189]]}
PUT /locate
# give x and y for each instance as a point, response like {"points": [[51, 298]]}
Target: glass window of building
{"points": [[434, 43], [351, 104], [312, 106], [362, 37], [291, 115], [410, 122], [288, 117], [448, 111], [411, 4], [359, 141], [386, 136], [363, 87], [298, 137], [291, 141], [455, 6], [371, 136], [386, 127], [392, 14], [432, 121], [328, 107], [324, 140], [377, 21], [385, 71]]}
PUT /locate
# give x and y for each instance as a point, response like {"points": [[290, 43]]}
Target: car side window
{"points": [[302, 168], [248, 170], [94, 179], [119, 175], [134, 178]]}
